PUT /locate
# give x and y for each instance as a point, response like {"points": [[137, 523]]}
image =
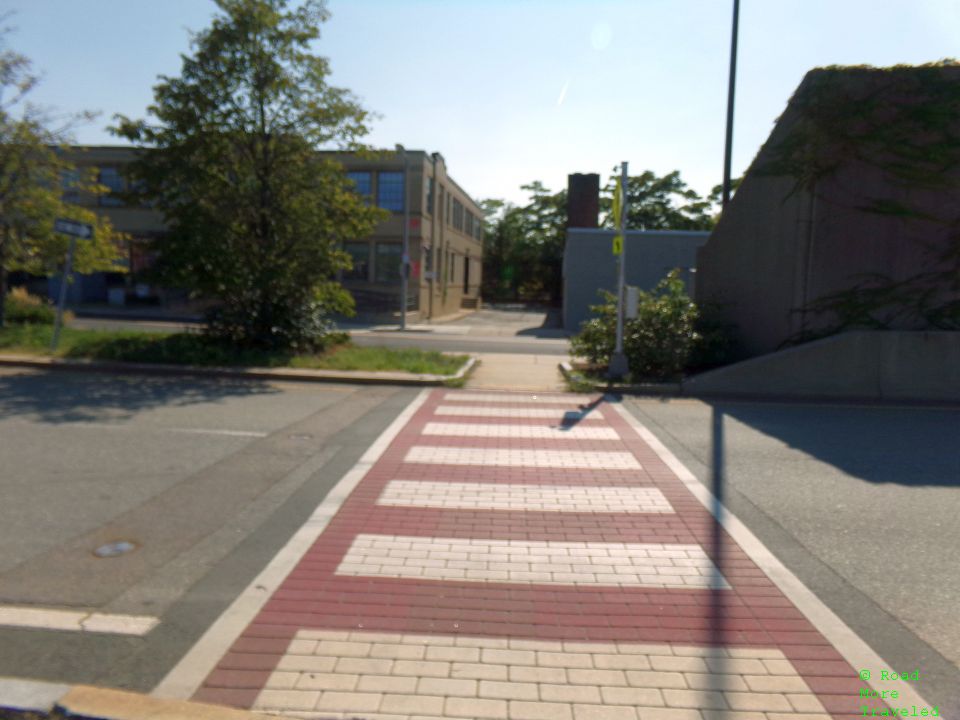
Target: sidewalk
{"points": [[521, 556]]}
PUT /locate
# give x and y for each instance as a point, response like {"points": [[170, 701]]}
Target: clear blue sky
{"points": [[511, 91]]}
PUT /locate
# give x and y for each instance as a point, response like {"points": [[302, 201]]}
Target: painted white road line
{"points": [[187, 676], [531, 562], [513, 496], [366, 674], [557, 414], [506, 397], [523, 432], [75, 620], [504, 457], [836, 631], [231, 433]]}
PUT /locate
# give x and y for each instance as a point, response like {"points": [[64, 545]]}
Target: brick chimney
{"points": [[583, 200]]}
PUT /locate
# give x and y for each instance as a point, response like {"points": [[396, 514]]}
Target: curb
{"points": [[288, 374], [658, 389], [105, 704]]}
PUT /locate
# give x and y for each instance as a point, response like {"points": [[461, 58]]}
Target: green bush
{"points": [[24, 308], [658, 343], [597, 336]]}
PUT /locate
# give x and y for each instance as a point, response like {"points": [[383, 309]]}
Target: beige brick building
{"points": [[445, 234]]}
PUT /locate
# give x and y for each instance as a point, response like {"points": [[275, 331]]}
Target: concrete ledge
{"points": [[293, 374], [859, 365], [30, 695], [658, 389], [92, 702], [104, 704]]}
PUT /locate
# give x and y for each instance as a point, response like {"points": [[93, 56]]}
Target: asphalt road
{"points": [[208, 479], [860, 502]]}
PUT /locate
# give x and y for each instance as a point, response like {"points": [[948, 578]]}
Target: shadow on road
{"points": [[60, 397], [907, 446]]}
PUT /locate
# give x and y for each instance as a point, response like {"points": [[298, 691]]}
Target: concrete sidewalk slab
{"points": [[503, 371], [416, 611]]}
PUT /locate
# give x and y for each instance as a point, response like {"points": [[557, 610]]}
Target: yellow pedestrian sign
{"points": [[617, 204]]}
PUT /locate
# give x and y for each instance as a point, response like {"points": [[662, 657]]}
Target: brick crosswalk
{"points": [[521, 557]]}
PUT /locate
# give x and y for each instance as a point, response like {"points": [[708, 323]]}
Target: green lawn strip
{"points": [[197, 349]]}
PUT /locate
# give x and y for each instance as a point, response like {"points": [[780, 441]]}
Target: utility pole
{"points": [[405, 258], [728, 147]]}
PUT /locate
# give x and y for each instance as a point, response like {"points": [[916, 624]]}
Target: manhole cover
{"points": [[113, 549]]}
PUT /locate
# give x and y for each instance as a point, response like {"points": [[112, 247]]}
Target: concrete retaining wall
{"points": [[889, 365]]}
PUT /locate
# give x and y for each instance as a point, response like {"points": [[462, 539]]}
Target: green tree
{"points": [[256, 215], [660, 203], [33, 175]]}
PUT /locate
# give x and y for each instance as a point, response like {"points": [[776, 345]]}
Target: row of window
{"points": [[460, 218], [389, 188], [386, 262]]}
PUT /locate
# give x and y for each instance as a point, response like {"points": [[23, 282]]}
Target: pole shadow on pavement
{"points": [[720, 591]]}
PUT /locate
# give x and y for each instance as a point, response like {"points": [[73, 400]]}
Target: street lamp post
{"points": [[405, 258], [728, 147]]}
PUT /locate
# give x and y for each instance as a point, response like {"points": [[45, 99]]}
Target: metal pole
{"points": [[618, 361], [405, 260], [728, 147], [67, 269]]}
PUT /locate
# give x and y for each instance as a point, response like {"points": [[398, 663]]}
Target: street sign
{"points": [[73, 228]]}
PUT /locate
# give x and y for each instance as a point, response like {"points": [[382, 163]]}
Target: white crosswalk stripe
{"points": [[531, 562], [513, 496], [521, 432], [504, 457]]}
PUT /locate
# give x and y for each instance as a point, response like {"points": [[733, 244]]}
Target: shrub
{"points": [[22, 307], [597, 336], [658, 343]]}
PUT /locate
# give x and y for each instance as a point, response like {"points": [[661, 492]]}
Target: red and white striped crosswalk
{"points": [[524, 556]]}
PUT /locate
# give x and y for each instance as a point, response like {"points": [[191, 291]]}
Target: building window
{"points": [[458, 215], [478, 230], [469, 223], [449, 214], [390, 191], [386, 265], [360, 254], [453, 265], [362, 181], [430, 189], [69, 185], [111, 178]]}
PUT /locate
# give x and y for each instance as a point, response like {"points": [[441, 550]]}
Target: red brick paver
{"points": [[513, 637]]}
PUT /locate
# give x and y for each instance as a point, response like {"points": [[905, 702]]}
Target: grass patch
{"points": [[198, 349], [351, 357]]}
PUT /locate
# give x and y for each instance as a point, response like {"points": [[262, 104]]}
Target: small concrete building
{"points": [[445, 234], [589, 264]]}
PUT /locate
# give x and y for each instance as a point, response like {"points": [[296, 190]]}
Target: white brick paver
{"points": [[515, 683], [504, 457], [558, 399], [523, 432], [538, 562], [510, 496], [557, 414]]}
